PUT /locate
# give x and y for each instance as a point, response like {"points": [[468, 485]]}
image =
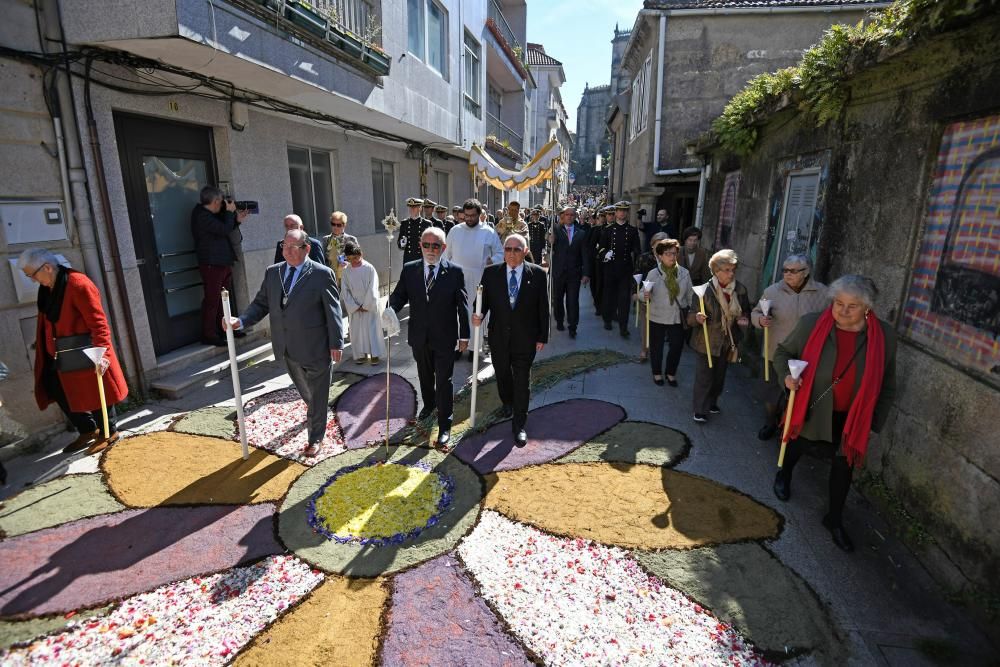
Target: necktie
{"points": [[512, 288], [429, 281], [569, 233], [287, 286]]}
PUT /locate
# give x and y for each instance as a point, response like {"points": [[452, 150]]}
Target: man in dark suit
{"points": [[316, 252], [570, 267], [516, 294], [301, 297], [439, 317]]}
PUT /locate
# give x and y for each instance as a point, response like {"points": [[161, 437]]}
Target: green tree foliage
{"points": [[820, 81]]}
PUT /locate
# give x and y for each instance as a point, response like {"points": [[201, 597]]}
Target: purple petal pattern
{"points": [[103, 558], [438, 619], [553, 431], [361, 409]]}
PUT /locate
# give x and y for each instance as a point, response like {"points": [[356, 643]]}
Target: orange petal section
{"points": [[339, 624], [641, 507], [178, 469]]}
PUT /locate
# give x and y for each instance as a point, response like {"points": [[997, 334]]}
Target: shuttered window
{"points": [[798, 217]]}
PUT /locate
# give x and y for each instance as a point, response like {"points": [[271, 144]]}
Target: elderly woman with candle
{"points": [[795, 295], [844, 393], [71, 318], [727, 310], [668, 302]]}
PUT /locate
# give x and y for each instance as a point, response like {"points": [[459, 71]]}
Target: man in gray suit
{"points": [[301, 297]]}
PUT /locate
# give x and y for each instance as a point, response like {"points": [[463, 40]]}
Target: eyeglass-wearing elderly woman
{"points": [[795, 295], [70, 305], [845, 391], [727, 309]]}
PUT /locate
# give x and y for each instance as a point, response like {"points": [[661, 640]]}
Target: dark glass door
{"points": [[165, 165]]}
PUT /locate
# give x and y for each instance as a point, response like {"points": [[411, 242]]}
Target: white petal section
{"points": [[575, 602], [198, 621]]}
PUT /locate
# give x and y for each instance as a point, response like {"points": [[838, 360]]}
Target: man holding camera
{"points": [[213, 222]]}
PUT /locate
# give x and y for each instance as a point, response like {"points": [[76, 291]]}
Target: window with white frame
{"points": [[383, 190], [639, 113], [473, 83], [311, 174], [427, 33]]}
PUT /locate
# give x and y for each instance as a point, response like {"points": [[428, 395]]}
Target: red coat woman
{"points": [[69, 305]]}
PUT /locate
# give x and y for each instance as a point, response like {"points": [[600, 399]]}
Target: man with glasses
{"points": [[302, 300], [473, 246], [439, 319], [292, 221], [515, 294], [791, 297]]}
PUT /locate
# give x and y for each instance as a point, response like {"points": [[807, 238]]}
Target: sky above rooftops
{"points": [[578, 33]]}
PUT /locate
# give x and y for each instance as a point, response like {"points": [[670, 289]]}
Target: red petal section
{"points": [[361, 409], [553, 431], [93, 561]]}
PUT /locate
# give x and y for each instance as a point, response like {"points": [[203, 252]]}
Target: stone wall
{"points": [[910, 193]]}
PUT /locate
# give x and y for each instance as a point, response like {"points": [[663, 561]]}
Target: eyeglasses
{"points": [[34, 273], [792, 270], [430, 246], [300, 246], [513, 249], [336, 224]]}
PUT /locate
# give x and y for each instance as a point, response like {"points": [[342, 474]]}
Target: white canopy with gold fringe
{"points": [[542, 167]]}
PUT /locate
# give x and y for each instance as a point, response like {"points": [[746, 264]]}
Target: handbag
{"points": [[70, 355]]}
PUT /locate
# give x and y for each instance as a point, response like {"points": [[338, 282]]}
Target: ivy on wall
{"points": [[819, 81]]}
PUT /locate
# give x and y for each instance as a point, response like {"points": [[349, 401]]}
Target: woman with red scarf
{"points": [[69, 309], [845, 391]]}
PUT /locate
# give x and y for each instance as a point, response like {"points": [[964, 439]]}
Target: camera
{"points": [[250, 207]]}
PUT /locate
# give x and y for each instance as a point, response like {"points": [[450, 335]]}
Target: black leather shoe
{"points": [[624, 333], [714, 409], [520, 438], [607, 325], [560, 327], [506, 412], [839, 535], [659, 382], [782, 486], [767, 432], [572, 332], [444, 437], [672, 383], [425, 413]]}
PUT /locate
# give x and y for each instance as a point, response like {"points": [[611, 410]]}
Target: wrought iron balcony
{"points": [[503, 136]]}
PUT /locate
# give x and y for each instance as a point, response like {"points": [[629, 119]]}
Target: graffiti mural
{"points": [[954, 300]]}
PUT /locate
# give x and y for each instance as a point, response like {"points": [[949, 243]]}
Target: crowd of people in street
{"points": [[466, 268]]}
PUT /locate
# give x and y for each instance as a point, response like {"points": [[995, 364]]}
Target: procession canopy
{"points": [[540, 169]]}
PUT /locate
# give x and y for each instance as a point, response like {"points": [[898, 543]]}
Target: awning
{"points": [[540, 169]]}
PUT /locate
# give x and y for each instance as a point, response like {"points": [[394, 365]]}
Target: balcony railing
{"points": [[347, 27], [504, 27], [357, 16], [503, 135]]}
